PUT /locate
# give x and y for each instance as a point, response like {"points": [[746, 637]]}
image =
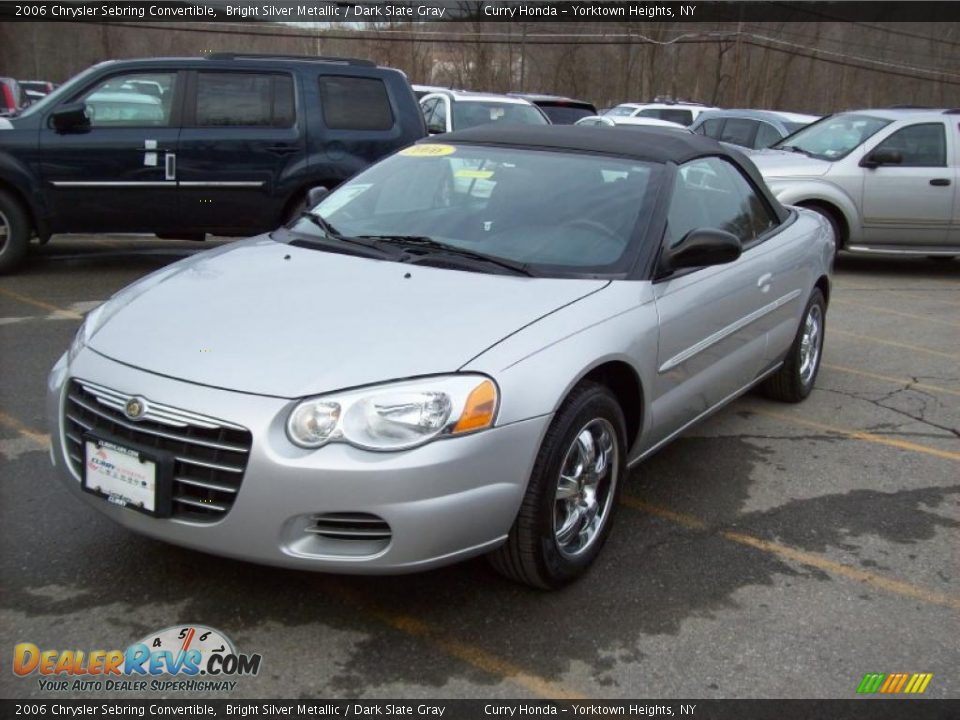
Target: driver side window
{"points": [[712, 193], [132, 100], [922, 145]]}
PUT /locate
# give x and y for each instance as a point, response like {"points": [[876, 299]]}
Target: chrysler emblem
{"points": [[135, 408]]}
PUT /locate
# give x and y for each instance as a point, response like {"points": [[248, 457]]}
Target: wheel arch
{"points": [[624, 382], [17, 194], [830, 208]]}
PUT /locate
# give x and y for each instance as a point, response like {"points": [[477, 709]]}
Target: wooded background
{"points": [[815, 67]]}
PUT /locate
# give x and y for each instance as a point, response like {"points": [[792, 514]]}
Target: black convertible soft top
{"points": [[659, 145]]}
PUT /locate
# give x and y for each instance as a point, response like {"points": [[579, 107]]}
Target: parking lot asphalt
{"points": [[773, 551]]}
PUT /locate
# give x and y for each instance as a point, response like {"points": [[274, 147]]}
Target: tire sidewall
{"points": [[18, 233], [805, 389], [596, 403]]}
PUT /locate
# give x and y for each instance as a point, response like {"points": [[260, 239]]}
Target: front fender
{"points": [[797, 191], [537, 367]]}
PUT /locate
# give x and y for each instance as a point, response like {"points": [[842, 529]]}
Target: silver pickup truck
{"points": [[885, 179]]}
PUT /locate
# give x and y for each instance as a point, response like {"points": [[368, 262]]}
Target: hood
{"points": [[268, 318], [782, 163]]}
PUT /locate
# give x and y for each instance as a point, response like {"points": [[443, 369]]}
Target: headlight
{"points": [[397, 416]]}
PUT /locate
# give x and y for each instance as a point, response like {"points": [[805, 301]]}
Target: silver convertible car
{"points": [[460, 351]]}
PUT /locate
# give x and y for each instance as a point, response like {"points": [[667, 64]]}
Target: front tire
{"points": [[794, 381], [572, 496], [14, 232]]}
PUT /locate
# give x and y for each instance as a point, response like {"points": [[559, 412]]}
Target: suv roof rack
{"points": [[271, 56]]}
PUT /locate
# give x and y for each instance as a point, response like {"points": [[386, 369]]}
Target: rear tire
{"points": [[14, 232], [572, 496], [795, 379]]}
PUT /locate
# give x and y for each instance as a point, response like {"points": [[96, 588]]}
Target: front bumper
{"points": [[443, 502]]}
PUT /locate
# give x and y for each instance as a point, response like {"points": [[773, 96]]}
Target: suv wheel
{"points": [[14, 232]]}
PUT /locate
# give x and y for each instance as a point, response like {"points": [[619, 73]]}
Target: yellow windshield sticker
{"points": [[428, 150], [480, 174]]}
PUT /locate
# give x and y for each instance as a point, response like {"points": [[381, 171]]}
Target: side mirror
{"points": [[315, 195], [72, 116], [702, 247], [435, 128], [881, 157]]}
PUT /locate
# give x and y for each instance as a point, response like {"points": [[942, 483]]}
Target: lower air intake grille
{"points": [[211, 455], [350, 526]]}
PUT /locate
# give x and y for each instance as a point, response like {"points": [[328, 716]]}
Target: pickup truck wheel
{"points": [[568, 509], [14, 232], [794, 380]]}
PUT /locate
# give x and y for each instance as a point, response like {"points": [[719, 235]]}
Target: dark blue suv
{"points": [[226, 144]]}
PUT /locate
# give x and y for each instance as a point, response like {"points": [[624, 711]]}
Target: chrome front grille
{"points": [[211, 455]]}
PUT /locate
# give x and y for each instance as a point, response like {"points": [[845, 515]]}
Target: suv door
{"points": [[241, 142], [115, 175], [910, 203], [715, 321]]}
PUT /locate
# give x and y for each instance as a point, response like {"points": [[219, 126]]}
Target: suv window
{"points": [[767, 135], [738, 131], [711, 127], [355, 103], [684, 117], [226, 99], [923, 145], [132, 100], [711, 193]]}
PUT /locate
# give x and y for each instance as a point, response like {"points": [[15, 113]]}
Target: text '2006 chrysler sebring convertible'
{"points": [[460, 351]]}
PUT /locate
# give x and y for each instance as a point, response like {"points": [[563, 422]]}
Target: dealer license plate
{"points": [[120, 474]]}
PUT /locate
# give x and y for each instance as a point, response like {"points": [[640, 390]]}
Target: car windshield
{"points": [[621, 111], [834, 137], [467, 114], [558, 213]]}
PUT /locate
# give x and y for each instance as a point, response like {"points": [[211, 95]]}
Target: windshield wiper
{"points": [[794, 148], [331, 233], [422, 241]]}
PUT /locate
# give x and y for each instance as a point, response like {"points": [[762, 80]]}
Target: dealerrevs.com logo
{"points": [[194, 657]]}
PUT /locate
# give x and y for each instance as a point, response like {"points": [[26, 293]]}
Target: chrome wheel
{"points": [[585, 487], [810, 344]]}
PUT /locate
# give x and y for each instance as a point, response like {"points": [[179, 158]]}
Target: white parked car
{"points": [[885, 179], [629, 122], [451, 110], [674, 111]]}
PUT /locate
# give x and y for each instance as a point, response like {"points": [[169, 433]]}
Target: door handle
{"points": [[940, 182], [281, 149], [170, 165], [763, 282]]}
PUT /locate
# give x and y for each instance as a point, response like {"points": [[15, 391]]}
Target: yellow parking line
{"points": [[466, 652], [895, 380], [12, 423], [858, 434], [893, 343], [897, 587], [40, 304], [898, 313]]}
